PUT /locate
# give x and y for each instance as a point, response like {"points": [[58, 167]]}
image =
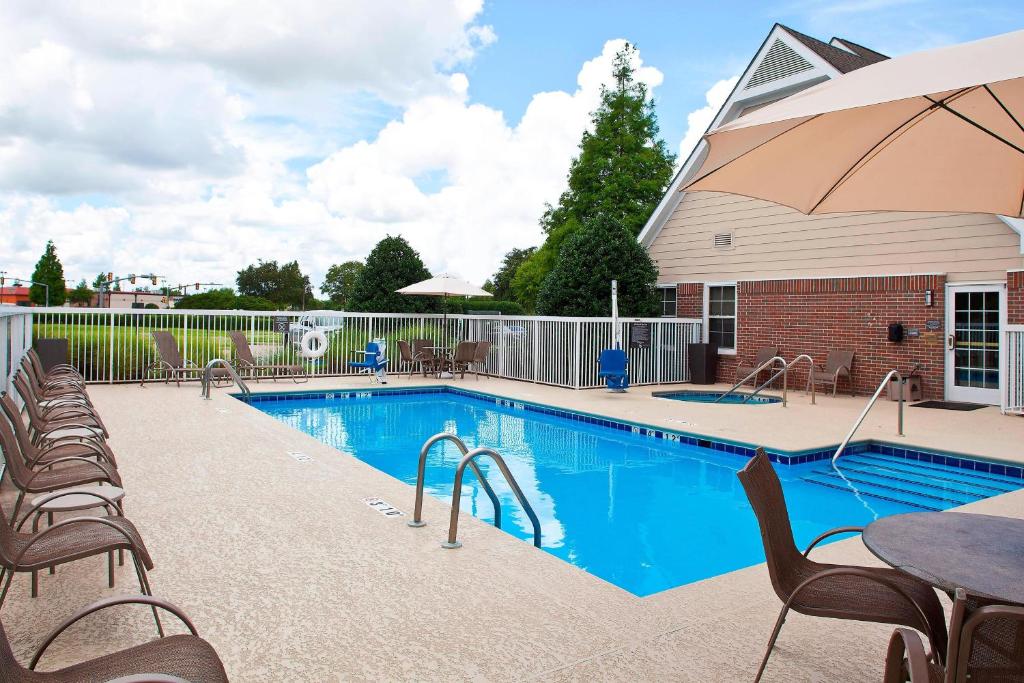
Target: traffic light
{"points": [[132, 278], [163, 299], [110, 277], [153, 278], [197, 286]]}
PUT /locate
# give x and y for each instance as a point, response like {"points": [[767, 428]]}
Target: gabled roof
{"points": [[844, 60]]}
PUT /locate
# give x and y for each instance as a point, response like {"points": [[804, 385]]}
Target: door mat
{"points": [[948, 405]]}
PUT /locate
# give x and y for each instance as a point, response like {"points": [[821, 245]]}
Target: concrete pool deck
{"points": [[291, 576]]}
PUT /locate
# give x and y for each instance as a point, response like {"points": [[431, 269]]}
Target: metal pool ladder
{"points": [[784, 372], [469, 460], [208, 378], [867, 408]]}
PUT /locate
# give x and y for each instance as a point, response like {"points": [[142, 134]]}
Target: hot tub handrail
{"points": [[453, 526], [755, 373], [417, 514]]}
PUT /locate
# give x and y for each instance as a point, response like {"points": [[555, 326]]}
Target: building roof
{"points": [[844, 60]]}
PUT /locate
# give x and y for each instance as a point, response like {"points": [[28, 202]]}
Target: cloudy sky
{"points": [[192, 138]]}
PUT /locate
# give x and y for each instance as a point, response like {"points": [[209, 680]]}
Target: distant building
{"points": [[14, 296], [134, 300]]}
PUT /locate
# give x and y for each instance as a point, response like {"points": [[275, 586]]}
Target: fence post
{"points": [[536, 350], [577, 359], [110, 369]]}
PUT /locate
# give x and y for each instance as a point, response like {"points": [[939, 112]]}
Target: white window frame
{"points": [[661, 300], [706, 310]]}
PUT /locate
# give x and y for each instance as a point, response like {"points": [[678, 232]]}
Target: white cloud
{"points": [[697, 121]]}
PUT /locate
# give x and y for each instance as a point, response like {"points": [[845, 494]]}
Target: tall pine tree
{"points": [[620, 174], [48, 271]]}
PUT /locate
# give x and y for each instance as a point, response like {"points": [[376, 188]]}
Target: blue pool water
{"points": [[712, 396], [643, 513]]}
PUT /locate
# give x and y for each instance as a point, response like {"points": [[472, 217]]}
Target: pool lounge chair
{"points": [[880, 595], [763, 356], [170, 361], [612, 369], [185, 657], [986, 643], [246, 364], [838, 364]]}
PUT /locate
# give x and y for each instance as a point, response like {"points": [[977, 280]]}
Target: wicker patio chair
{"points": [[52, 387], [465, 352], [763, 356], [825, 590], [68, 540], [838, 364], [986, 643], [57, 416], [406, 358], [59, 371], [246, 363], [58, 447], [429, 360], [72, 470], [479, 363], [185, 657]]}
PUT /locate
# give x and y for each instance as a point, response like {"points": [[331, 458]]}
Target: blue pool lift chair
{"points": [[374, 361], [612, 368]]}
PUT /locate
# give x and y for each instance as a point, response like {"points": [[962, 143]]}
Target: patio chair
{"points": [[824, 590], [465, 352], [423, 352], [838, 364], [483, 348], [407, 358], [185, 657], [60, 447], [612, 369], [68, 540], [763, 356], [50, 418], [74, 470], [173, 365], [64, 371], [245, 362], [374, 361], [52, 386], [986, 643]]}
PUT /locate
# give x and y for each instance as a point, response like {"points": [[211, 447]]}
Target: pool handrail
{"points": [[417, 514], [208, 378], [867, 408], [453, 526], [760, 368]]}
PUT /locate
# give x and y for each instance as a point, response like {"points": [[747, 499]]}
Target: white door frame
{"points": [[974, 395]]}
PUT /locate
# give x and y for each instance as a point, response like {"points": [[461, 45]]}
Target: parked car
{"points": [[324, 321]]}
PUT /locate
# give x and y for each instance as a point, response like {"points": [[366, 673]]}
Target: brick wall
{"points": [[1015, 297], [816, 315], [690, 300]]}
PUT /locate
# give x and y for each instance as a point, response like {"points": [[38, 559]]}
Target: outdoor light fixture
{"points": [[928, 297]]}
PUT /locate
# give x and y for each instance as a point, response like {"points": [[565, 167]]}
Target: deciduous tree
{"points": [[340, 281], [391, 265]]}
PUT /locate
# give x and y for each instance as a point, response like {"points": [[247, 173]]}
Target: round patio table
{"points": [[443, 353], [982, 554]]}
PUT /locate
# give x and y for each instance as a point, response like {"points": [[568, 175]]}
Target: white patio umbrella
{"points": [[443, 285], [940, 130]]}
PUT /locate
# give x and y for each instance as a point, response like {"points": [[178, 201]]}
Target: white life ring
{"points": [[307, 348]]}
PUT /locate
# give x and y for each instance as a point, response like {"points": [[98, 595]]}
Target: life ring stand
{"points": [[313, 344]]}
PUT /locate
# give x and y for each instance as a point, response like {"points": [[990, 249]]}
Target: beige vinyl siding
{"points": [[772, 241]]}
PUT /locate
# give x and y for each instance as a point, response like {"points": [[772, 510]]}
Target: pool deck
{"points": [[291, 576]]}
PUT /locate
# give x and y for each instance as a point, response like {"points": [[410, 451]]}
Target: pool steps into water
{"points": [[922, 485]]}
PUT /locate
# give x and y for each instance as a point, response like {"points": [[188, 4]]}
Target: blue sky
{"points": [[149, 139]]}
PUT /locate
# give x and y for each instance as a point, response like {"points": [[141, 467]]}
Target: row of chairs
{"points": [[56, 449], [422, 355]]}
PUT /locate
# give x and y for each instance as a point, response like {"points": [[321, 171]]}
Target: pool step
{"points": [[886, 491], [998, 481], [948, 478]]}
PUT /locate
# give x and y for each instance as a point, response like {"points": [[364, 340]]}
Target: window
{"points": [[668, 302], [721, 316]]}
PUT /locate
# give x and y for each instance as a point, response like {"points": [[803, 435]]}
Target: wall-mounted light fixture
{"points": [[929, 297]]}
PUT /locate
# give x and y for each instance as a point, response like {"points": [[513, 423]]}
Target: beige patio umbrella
{"points": [[443, 285], [939, 130]]}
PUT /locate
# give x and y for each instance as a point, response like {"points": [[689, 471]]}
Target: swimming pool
{"points": [[713, 396], [643, 508]]}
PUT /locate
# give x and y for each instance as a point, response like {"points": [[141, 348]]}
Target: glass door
{"points": [[974, 315]]}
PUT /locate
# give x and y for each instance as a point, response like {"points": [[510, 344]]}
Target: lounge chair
{"points": [[185, 657], [69, 540], [763, 356], [483, 348], [838, 364], [465, 352], [612, 369], [986, 643], [374, 361], [246, 363], [879, 595], [173, 365]]}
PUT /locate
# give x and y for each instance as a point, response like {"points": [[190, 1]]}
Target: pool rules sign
{"points": [[639, 335]]}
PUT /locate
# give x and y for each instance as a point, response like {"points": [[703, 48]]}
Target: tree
{"points": [[501, 282], [284, 285], [580, 283], [340, 280], [98, 282], [222, 299], [621, 173], [81, 295], [391, 265], [49, 271]]}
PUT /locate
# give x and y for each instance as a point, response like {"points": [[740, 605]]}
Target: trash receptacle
{"points": [[703, 363], [51, 351]]}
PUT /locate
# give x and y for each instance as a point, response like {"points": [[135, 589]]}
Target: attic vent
{"points": [[780, 62], [723, 240]]}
